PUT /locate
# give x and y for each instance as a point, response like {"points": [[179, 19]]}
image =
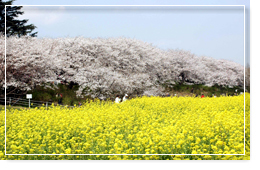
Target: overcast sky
{"points": [[216, 32]]}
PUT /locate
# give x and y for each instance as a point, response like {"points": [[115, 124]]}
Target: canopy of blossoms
{"points": [[105, 66]]}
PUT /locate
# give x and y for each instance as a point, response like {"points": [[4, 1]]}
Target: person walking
{"points": [[125, 97], [60, 99], [117, 100]]}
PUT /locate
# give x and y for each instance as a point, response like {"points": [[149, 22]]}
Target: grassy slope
{"points": [[2, 107]]}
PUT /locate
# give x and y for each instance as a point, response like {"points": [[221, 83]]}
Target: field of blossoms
{"points": [[146, 125]]}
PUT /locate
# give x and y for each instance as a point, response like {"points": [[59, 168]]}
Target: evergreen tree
{"points": [[13, 25]]}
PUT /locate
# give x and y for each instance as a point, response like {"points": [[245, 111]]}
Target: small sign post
{"points": [[29, 96]]}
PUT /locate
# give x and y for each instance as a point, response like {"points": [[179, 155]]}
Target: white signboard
{"points": [[28, 96]]}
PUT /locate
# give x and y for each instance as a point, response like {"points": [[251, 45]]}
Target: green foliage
{"points": [[41, 96], [209, 94], [198, 92], [13, 25], [199, 89], [40, 93], [66, 101]]}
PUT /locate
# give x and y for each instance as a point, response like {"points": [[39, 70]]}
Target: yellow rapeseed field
{"points": [[146, 125]]}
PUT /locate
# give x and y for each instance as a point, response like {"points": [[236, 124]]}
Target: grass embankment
{"points": [[2, 107], [40, 93], [199, 89]]}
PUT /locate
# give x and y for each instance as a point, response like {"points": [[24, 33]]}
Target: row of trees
{"points": [[102, 67]]}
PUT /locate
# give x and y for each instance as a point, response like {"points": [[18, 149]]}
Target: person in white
{"points": [[125, 97], [117, 100]]}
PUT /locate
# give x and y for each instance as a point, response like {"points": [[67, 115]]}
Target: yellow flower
{"points": [[142, 125]]}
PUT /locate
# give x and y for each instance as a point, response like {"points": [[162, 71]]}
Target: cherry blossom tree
{"points": [[102, 67]]}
